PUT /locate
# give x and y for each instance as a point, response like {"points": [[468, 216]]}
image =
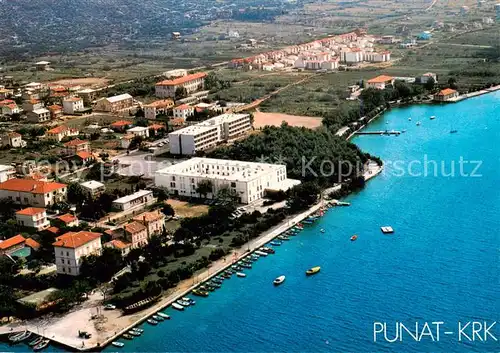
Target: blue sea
{"points": [[441, 264]]}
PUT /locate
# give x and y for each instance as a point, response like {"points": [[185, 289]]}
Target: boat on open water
{"points": [[313, 271], [278, 280]]}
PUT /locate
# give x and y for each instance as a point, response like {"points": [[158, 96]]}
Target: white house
{"points": [[33, 217], [248, 179], [68, 219], [115, 103], [183, 111], [39, 115], [93, 188], [70, 248], [72, 105], [139, 198], [6, 172], [60, 132], [33, 192], [158, 107], [380, 82], [12, 139], [139, 131], [209, 133], [425, 77]]}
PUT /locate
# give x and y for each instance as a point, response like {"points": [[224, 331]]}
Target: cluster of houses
{"points": [[45, 102], [34, 196], [383, 81], [323, 54]]}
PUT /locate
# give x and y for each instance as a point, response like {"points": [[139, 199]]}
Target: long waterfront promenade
{"points": [[108, 325]]}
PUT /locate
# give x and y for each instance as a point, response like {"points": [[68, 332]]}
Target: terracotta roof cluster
{"points": [[54, 107], [53, 230], [156, 127], [164, 103], [183, 107], [74, 240], [73, 99], [183, 79], [84, 155], [31, 186], [30, 211], [15, 240], [381, 79], [134, 227], [32, 243], [58, 130], [67, 218]]}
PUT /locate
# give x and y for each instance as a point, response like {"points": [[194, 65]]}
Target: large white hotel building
{"points": [[250, 180], [209, 133]]}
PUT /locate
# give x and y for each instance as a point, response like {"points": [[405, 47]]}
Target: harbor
{"points": [[382, 132]]}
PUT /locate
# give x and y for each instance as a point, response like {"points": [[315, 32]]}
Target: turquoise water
{"points": [[442, 263]]}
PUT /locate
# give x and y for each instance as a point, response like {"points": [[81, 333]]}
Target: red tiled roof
{"points": [[446, 92], [15, 240], [73, 99], [121, 123], [84, 155], [181, 80], [177, 121], [14, 134], [149, 216], [67, 218], [381, 79], [32, 243], [156, 127], [75, 142], [57, 130], [54, 230], [134, 227], [161, 103], [183, 107], [30, 211], [54, 107], [75, 240], [118, 244], [31, 186]]}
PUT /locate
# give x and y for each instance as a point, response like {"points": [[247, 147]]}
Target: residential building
{"points": [[10, 245], [42, 65], [121, 125], [55, 111], [153, 221], [139, 198], [156, 128], [88, 95], [209, 133], [12, 139], [72, 105], [93, 188], [351, 55], [60, 132], [115, 103], [377, 57], [5, 93], [192, 83], [33, 217], [6, 172], [139, 131], [33, 192], [39, 115], [126, 140], [183, 111], [175, 73], [380, 82], [74, 146], [68, 220], [445, 95], [32, 104], [9, 107], [71, 247], [136, 234], [158, 107], [248, 179], [425, 77], [121, 245], [84, 157]]}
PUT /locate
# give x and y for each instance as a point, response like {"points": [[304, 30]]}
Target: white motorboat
{"points": [[163, 315], [261, 253], [118, 344], [183, 302], [433, 117], [177, 306], [240, 274], [189, 300], [279, 280]]}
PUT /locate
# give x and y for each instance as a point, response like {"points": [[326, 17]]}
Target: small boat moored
{"points": [[118, 344], [189, 300], [313, 270], [157, 318], [387, 230], [163, 315], [177, 306], [36, 341], [183, 302], [453, 131], [152, 321], [240, 274], [127, 336], [41, 345], [354, 237], [279, 280]]}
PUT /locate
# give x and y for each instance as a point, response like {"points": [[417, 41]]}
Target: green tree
{"points": [[204, 187], [76, 193], [430, 84], [180, 93], [168, 210], [452, 82]]}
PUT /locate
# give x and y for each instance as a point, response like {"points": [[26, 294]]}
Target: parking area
{"points": [[143, 164]]}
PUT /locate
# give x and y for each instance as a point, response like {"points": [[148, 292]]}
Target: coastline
{"points": [[115, 324]]}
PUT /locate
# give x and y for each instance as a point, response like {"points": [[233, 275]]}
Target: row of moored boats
{"points": [[37, 343]]}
